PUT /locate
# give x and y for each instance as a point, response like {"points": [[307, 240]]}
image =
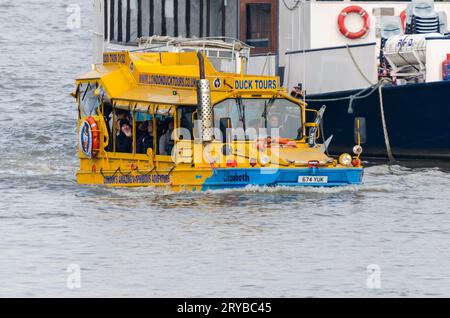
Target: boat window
{"points": [[165, 136], [290, 118], [260, 117], [107, 116], [254, 113], [144, 132], [227, 109], [258, 24], [186, 122], [123, 138], [88, 101]]}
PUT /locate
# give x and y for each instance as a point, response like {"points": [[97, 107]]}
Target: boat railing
{"points": [[226, 54]]}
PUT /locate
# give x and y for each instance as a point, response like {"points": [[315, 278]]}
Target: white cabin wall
{"points": [[262, 65], [293, 28], [313, 25], [323, 71], [324, 15]]}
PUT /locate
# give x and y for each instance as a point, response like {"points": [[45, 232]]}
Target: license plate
{"points": [[312, 179]]}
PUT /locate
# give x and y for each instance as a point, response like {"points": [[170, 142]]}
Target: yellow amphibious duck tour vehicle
{"points": [[170, 119]]}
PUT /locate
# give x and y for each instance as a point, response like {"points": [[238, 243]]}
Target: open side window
{"points": [[122, 129], [145, 132], [186, 122], [164, 134]]}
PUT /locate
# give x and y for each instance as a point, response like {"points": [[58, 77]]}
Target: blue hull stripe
{"points": [[241, 177]]}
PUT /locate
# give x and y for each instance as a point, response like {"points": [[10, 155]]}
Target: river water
{"points": [[141, 242]]}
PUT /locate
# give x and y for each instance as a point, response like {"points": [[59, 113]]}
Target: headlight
{"points": [[357, 150], [264, 160], [345, 159]]}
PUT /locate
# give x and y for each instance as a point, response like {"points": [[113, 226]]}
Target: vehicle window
{"points": [[254, 114], [227, 108], [186, 124], [273, 117], [289, 115], [124, 131], [144, 132], [88, 101], [165, 136]]}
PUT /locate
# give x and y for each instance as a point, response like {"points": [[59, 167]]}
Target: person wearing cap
{"points": [[120, 114], [124, 141], [298, 92]]}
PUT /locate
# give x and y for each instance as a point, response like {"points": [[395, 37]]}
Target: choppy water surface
{"points": [[138, 242]]}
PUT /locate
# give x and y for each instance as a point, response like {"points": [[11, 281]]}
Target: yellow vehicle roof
{"points": [[170, 78]]}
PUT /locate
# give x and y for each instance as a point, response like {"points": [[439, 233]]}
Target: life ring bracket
{"points": [[89, 137]]}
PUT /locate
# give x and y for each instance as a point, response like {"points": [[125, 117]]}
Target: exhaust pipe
{"points": [[204, 102]]}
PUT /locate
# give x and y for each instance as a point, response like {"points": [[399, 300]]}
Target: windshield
{"points": [[88, 101], [260, 117]]}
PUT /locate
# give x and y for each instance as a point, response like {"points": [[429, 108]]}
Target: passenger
{"points": [[121, 114], [141, 129], [298, 92], [166, 141], [146, 140], [124, 141]]}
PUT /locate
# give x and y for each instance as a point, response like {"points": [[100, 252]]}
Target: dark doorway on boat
{"points": [[258, 25]]}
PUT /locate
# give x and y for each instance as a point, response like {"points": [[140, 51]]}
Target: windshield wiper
{"points": [[85, 92], [241, 111], [267, 106]]}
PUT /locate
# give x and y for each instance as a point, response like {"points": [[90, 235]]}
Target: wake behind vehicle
{"points": [[170, 119]]}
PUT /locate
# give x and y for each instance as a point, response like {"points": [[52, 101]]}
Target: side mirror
{"points": [[360, 130]]}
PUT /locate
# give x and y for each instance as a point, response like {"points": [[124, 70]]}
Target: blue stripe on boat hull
{"points": [[241, 177]]}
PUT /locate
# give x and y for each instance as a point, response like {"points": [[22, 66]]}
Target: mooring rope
{"points": [[378, 86], [383, 122], [357, 66]]}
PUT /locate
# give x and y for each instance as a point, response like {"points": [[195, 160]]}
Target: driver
{"points": [[274, 126]]}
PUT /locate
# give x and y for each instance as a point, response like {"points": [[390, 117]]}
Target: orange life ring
{"points": [[403, 19], [89, 137], [285, 142], [362, 13], [262, 144]]}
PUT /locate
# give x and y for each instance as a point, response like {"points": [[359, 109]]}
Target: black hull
{"points": [[417, 120]]}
